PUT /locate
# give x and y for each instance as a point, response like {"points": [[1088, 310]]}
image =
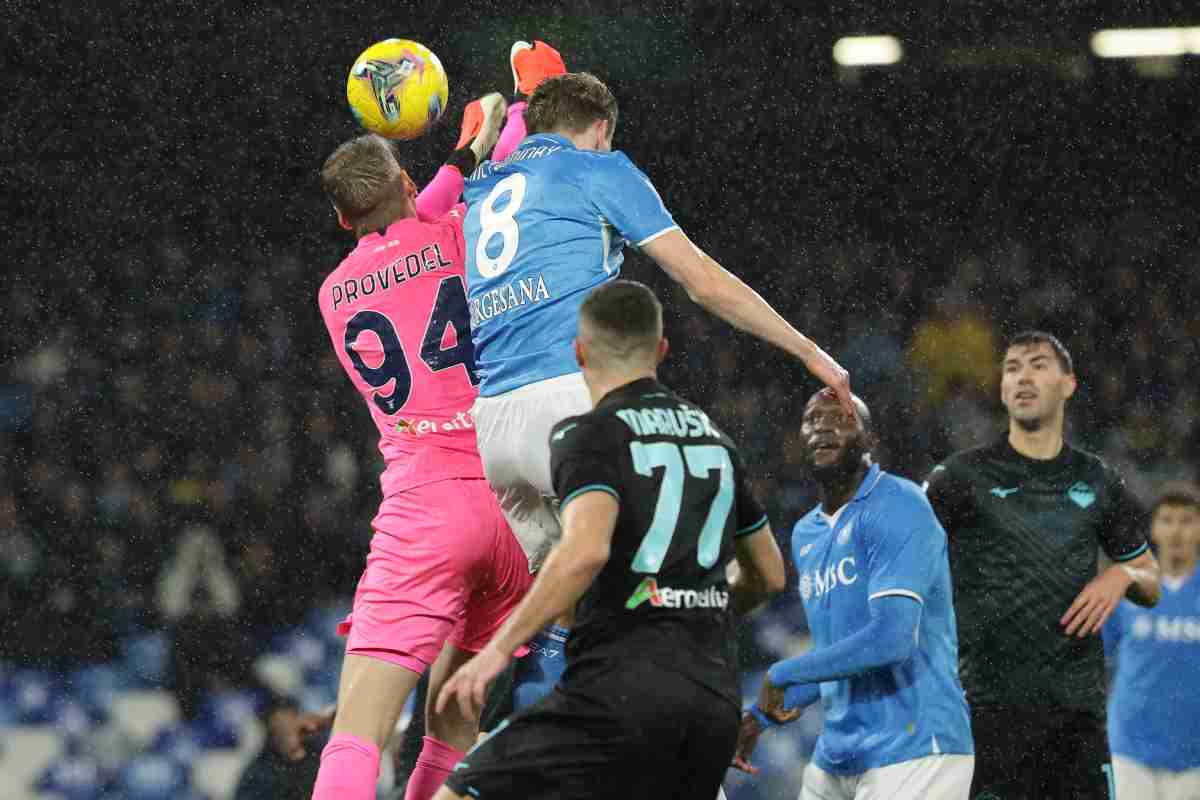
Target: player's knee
{"points": [[451, 727], [446, 793], [371, 698]]}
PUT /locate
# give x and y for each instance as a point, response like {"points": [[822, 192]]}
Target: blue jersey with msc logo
{"points": [[885, 541], [543, 228], [1154, 702]]}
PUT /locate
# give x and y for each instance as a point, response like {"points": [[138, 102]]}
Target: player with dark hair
{"points": [[444, 568], [655, 507], [1154, 701], [875, 583], [544, 227], [1026, 517]]}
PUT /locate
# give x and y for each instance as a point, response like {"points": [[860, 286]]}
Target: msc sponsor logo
{"points": [[1167, 629], [666, 597], [818, 583]]}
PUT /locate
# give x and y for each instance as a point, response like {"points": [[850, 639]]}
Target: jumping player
{"points": [[655, 506], [543, 227], [875, 582], [444, 568]]}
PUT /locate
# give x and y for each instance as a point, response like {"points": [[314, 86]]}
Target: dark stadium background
{"points": [[166, 370]]}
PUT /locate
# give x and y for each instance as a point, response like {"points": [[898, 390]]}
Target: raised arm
{"points": [[441, 193], [722, 293]]}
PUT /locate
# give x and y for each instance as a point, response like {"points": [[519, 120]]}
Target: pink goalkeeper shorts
{"points": [[443, 566]]}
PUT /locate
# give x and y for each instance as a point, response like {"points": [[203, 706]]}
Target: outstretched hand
{"points": [[469, 684], [834, 375], [289, 730], [770, 702], [748, 735], [1096, 603]]}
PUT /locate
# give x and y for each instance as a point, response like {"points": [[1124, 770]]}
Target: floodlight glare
{"points": [[863, 51], [1144, 42]]}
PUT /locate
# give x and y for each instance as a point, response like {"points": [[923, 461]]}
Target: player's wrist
{"points": [[764, 722], [1125, 573], [464, 160]]}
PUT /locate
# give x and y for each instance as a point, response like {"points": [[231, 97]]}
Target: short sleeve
{"points": [[750, 516], [1122, 534], [947, 495], [627, 199], [905, 546], [583, 458]]}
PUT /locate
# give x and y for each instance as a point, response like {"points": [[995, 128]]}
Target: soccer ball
{"points": [[397, 88]]}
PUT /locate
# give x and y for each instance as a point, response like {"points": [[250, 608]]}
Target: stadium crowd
{"points": [[179, 451]]}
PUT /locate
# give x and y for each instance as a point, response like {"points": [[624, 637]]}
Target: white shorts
{"points": [[936, 777], [1136, 781], [513, 431]]}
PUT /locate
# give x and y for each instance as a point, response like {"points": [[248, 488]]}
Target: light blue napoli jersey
{"points": [[886, 541], [1154, 701], [543, 228]]}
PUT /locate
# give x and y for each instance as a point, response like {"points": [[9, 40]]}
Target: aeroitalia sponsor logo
{"points": [[666, 597]]}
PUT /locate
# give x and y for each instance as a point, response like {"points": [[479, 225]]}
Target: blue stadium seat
{"points": [[310, 651], [73, 721], [314, 697], [73, 778], [224, 717], [95, 686], [34, 695], [144, 658], [180, 742], [321, 623], [152, 777]]}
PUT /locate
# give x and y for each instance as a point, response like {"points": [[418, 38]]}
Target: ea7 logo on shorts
{"points": [[666, 597], [821, 582]]}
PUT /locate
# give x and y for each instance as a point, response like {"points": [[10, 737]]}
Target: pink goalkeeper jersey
{"points": [[396, 310]]}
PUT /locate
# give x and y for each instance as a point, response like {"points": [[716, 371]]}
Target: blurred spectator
{"points": [[198, 601], [955, 345]]}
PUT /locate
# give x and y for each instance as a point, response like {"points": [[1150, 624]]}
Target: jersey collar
{"points": [[868, 484], [864, 490], [633, 387], [543, 138]]}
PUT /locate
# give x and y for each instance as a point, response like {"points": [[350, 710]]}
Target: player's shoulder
{"points": [[896, 489], [615, 164], [335, 276], [972, 456], [895, 497], [965, 461], [597, 429], [811, 526], [1091, 463]]}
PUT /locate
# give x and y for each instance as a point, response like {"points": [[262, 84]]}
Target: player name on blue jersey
{"points": [[885, 541], [543, 228]]}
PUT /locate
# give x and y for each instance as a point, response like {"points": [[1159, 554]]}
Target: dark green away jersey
{"points": [[1024, 539], [662, 597]]}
